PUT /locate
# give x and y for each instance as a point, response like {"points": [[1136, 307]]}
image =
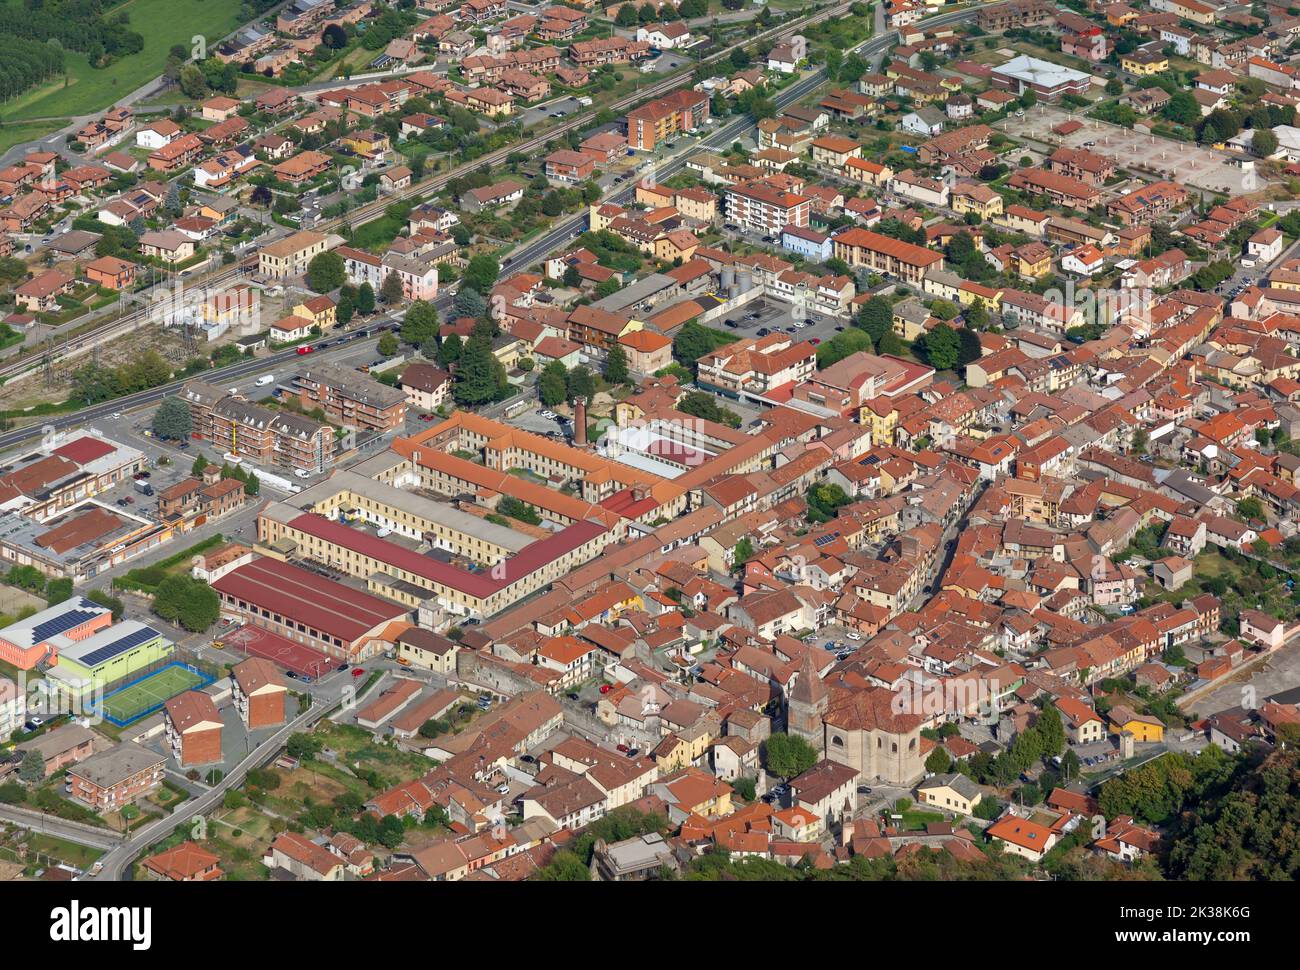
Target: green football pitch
{"points": [[156, 689]]}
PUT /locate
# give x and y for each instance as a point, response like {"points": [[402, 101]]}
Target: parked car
{"points": [[358, 671], [606, 688], [623, 748]]}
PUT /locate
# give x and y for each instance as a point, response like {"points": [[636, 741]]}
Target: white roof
{"points": [[1033, 70]]}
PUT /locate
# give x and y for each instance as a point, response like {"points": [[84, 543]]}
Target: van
{"points": [[265, 379]]}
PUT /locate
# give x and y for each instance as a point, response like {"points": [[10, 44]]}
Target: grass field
{"points": [[162, 23], [129, 702]]}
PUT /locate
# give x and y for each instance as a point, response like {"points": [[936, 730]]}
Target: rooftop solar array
{"points": [[119, 642], [82, 611]]}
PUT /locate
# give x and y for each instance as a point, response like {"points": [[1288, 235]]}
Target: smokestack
{"points": [[580, 422]]}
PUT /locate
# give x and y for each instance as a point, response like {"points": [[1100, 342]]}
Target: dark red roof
{"points": [[304, 597], [84, 450], [479, 584]]}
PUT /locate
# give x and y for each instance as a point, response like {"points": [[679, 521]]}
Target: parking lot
{"points": [[1137, 151], [760, 317], [551, 110]]}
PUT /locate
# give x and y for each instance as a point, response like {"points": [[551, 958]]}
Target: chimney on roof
{"points": [[580, 422]]}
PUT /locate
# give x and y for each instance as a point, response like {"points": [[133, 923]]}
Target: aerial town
{"points": [[695, 440]]}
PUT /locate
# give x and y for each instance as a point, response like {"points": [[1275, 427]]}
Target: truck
{"points": [[265, 379], [143, 487]]}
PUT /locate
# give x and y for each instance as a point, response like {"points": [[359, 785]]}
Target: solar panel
{"points": [[62, 623], [823, 540], [121, 645]]}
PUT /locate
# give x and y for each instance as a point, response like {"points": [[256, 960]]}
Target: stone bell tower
{"points": [[807, 705]]}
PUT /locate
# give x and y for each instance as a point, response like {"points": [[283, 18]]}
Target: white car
{"points": [[503, 789], [852, 636], [302, 473]]}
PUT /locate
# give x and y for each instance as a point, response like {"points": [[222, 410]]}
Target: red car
{"points": [[814, 341], [306, 349], [426, 417], [623, 748], [358, 671], [606, 688]]}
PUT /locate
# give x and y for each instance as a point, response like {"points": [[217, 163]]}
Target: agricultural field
{"points": [[86, 90]]}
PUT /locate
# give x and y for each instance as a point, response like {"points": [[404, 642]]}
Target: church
{"points": [[855, 724]]}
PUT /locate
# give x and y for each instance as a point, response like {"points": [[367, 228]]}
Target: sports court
{"points": [[252, 641], [149, 693]]}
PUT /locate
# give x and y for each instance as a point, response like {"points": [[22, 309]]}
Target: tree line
{"points": [[26, 63]]}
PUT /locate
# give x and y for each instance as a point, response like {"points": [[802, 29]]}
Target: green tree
{"points": [[365, 301], [172, 420], [481, 273], [107, 600], [303, 747], [326, 272], [938, 762], [1182, 109], [876, 317], [788, 755], [476, 381], [200, 463], [388, 345], [420, 323], [970, 348], [390, 291], [940, 347], [616, 371], [1250, 508], [581, 382], [469, 303], [743, 552], [565, 866], [450, 349], [1263, 142], [32, 768], [58, 590], [552, 384], [187, 601]]}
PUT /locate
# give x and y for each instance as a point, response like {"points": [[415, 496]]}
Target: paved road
{"points": [[435, 182], [225, 375], [90, 835], [120, 857]]}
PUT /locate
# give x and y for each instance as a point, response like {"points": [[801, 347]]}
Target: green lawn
{"points": [[79, 856], [162, 24], [19, 133]]}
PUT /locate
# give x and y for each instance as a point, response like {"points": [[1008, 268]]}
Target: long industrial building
{"points": [[308, 608]]}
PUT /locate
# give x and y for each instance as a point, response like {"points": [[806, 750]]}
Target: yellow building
{"points": [[952, 793], [1143, 63], [1143, 727], [290, 256], [320, 310], [1031, 261], [368, 143]]}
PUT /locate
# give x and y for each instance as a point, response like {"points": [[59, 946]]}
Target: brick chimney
{"points": [[580, 422]]}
